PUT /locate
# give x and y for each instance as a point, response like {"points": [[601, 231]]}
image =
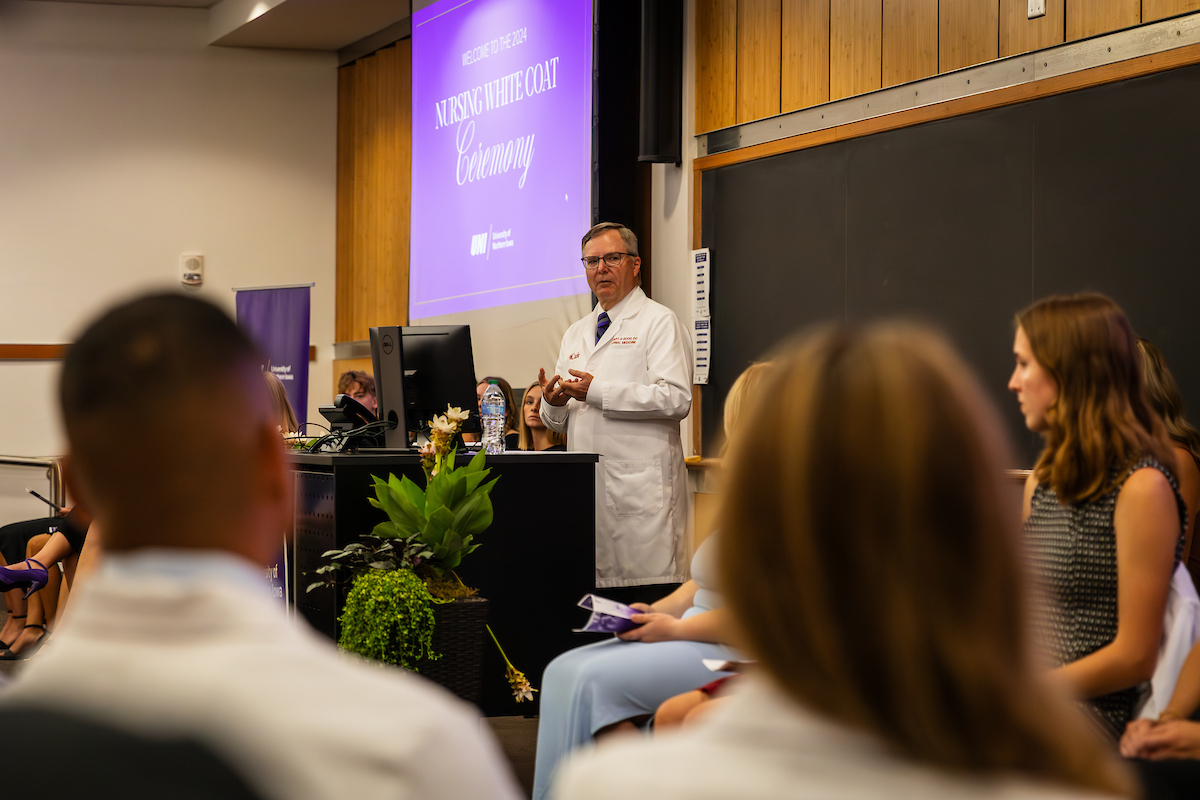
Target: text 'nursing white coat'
{"points": [[641, 389]]}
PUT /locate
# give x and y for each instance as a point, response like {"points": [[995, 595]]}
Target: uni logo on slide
{"points": [[479, 244]]}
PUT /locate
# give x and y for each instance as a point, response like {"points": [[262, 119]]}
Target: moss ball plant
{"points": [[389, 617]]}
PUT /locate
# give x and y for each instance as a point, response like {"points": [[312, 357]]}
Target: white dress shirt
{"points": [[183, 642]]}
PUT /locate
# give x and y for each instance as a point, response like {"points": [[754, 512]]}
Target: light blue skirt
{"points": [[597, 685]]}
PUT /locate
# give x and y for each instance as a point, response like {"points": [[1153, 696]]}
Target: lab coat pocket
{"points": [[634, 488]]}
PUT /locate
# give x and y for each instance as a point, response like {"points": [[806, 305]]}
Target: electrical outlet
{"points": [[1037, 8]]}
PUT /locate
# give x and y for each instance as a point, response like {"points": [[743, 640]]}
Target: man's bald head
{"points": [[165, 411]]}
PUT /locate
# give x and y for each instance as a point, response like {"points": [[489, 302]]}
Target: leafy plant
{"points": [[389, 617], [455, 506]]}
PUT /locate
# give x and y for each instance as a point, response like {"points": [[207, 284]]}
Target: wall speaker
{"points": [[660, 129]]}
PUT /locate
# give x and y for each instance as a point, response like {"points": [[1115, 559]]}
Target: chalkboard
{"points": [[962, 223]]}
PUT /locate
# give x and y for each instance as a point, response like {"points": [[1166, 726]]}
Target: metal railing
{"points": [[54, 473]]}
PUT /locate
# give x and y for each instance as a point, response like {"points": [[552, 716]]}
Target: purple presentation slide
{"points": [[502, 149]]}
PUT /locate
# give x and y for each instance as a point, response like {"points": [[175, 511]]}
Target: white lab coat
{"points": [[641, 389]]}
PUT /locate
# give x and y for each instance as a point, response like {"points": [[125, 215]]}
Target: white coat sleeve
{"points": [[667, 392], [555, 417]]}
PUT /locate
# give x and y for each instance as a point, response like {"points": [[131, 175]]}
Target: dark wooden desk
{"points": [[534, 563]]}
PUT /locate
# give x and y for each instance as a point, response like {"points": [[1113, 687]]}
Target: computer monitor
{"points": [[419, 370]]}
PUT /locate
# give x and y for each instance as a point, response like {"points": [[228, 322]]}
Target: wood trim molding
{"points": [[32, 352], [53, 352], [1060, 84]]}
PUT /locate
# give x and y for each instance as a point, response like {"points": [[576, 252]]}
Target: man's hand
{"points": [[652, 628], [578, 388], [552, 390], [1175, 738]]}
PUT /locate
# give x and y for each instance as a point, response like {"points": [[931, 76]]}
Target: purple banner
{"points": [[277, 320], [502, 152]]}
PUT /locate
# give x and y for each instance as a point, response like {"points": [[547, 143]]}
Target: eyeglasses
{"points": [[611, 260]]}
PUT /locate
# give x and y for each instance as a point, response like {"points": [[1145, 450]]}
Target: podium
{"points": [[535, 562]]}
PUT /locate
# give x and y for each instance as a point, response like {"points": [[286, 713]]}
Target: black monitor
{"points": [[419, 370]]}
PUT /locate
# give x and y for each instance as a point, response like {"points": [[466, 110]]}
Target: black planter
{"points": [[459, 636]]}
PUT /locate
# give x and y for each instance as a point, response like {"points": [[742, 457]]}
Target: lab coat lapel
{"points": [[632, 305]]}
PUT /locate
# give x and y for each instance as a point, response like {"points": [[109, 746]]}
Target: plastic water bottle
{"points": [[492, 406]]}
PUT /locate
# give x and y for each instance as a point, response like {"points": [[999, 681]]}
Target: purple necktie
{"points": [[601, 325]]}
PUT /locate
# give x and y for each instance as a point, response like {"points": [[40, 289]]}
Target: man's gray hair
{"points": [[627, 236]]}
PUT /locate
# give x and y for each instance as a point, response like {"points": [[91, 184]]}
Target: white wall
{"points": [[671, 193], [125, 141]]}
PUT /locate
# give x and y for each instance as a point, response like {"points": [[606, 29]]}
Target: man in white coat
{"points": [[174, 446], [622, 383]]}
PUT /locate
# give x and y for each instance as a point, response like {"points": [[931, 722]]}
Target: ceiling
{"points": [[291, 24]]}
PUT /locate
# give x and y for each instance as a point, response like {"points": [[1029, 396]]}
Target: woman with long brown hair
{"points": [[1163, 393], [1103, 516], [870, 558]]}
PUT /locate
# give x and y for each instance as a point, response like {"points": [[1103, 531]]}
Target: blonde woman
{"points": [[607, 687], [869, 558], [283, 406], [532, 431]]}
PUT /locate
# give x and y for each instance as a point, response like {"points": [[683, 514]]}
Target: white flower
{"points": [[428, 450], [442, 425], [456, 414]]}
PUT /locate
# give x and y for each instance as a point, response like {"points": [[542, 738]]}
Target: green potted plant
{"points": [[406, 606]]}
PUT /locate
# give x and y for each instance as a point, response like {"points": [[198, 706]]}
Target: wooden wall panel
{"points": [[1091, 17], [1019, 34], [374, 177], [758, 59], [855, 47], [716, 64], [968, 33], [910, 40], [804, 79], [1161, 9]]}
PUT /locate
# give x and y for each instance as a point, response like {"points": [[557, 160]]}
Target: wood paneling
{"points": [[968, 33], [716, 64], [32, 352], [804, 80], [1091, 17], [910, 40], [758, 59], [1161, 9], [855, 47], [1131, 68], [1019, 34], [374, 171]]}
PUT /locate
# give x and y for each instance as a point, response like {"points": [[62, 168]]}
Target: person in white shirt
{"points": [[177, 633], [870, 557], [622, 384]]}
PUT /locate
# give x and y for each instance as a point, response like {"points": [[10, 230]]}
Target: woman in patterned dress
{"points": [[1103, 516]]}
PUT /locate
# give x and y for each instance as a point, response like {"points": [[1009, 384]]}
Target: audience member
{"points": [[534, 435], [284, 415], [1104, 519], [869, 558], [361, 387], [612, 686], [175, 632], [1163, 393]]}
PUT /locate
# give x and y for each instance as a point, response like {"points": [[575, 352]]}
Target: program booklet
{"points": [[608, 616]]}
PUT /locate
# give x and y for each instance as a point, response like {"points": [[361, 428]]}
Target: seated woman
{"points": [[533, 433], [607, 686], [1104, 519], [870, 560], [1163, 393], [512, 439]]}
